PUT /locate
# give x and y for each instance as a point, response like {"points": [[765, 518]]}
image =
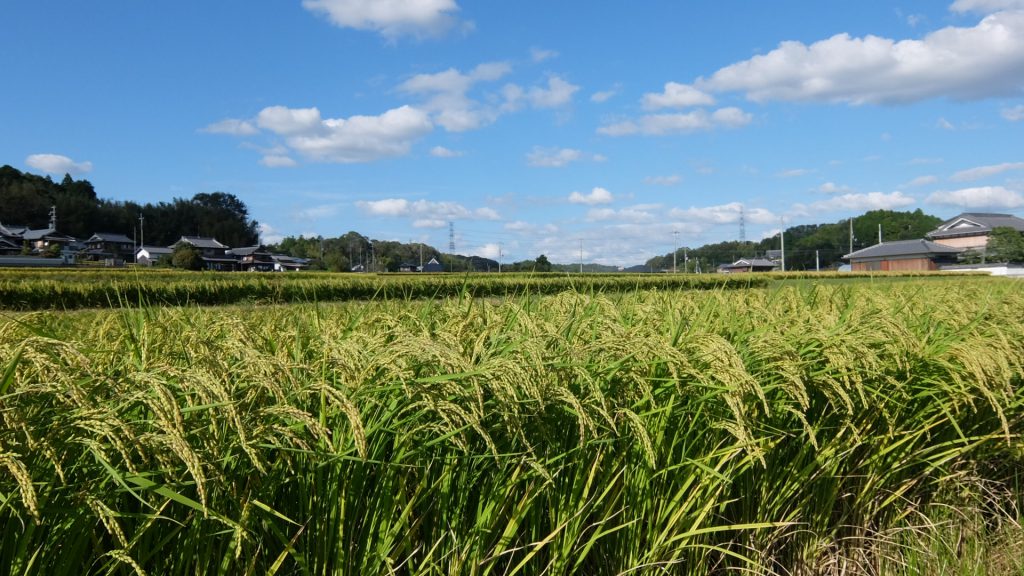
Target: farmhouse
{"points": [[104, 245], [212, 252], [253, 258], [748, 265], [903, 256], [150, 255], [971, 230]]}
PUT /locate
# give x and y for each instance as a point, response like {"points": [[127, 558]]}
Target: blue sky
{"points": [[531, 125]]}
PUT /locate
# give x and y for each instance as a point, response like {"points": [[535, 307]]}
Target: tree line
{"points": [[808, 245], [26, 200]]}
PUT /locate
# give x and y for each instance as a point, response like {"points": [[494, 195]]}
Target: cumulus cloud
{"points": [[860, 202], [724, 214], [442, 152], [677, 95], [553, 157], [231, 126], [269, 234], [540, 54], [447, 95], [663, 180], [640, 214], [986, 6], [425, 212], [923, 181], [57, 164], [557, 93], [982, 197], [983, 61], [277, 161], [985, 171], [391, 18], [344, 140], [596, 196], [833, 188], [1014, 114], [682, 123], [604, 95]]}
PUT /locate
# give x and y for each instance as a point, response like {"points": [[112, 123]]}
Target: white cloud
{"points": [[984, 61], [631, 215], [663, 180], [923, 181], [833, 188], [57, 164], [345, 140], [285, 121], [859, 202], [557, 93], [596, 196], [231, 126], [985, 171], [986, 6], [604, 95], [540, 55], [945, 124], [552, 157], [277, 161], [442, 152], [425, 212], [269, 234], [1015, 114], [317, 212], [664, 124], [391, 18], [447, 95], [982, 197], [677, 95], [429, 223], [724, 214]]}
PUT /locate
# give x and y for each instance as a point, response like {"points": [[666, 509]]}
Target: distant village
{"points": [[958, 244]]}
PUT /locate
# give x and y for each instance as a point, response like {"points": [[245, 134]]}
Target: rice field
{"points": [[868, 428]]}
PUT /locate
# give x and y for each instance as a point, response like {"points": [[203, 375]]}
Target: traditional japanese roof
{"points": [[755, 262], [12, 231], [903, 248], [201, 242], [248, 250], [109, 237], [156, 249], [975, 224]]}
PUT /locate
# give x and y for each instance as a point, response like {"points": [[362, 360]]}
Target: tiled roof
{"points": [[904, 248], [975, 223], [200, 242], [109, 237]]}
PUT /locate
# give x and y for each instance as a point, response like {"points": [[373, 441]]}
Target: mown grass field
{"points": [[863, 428]]}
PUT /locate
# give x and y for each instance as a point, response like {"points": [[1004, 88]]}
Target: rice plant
{"points": [[813, 429]]}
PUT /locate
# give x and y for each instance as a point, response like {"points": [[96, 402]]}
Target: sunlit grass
{"points": [[810, 430]]}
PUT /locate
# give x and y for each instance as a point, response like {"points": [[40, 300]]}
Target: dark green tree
{"points": [[542, 264], [1005, 244], [186, 257]]}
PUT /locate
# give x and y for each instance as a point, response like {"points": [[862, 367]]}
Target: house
{"points": [[748, 265], [253, 258], [42, 239], [105, 246], [150, 255], [903, 255], [433, 266], [12, 234], [408, 267], [212, 252], [971, 230], [7, 247], [284, 263]]}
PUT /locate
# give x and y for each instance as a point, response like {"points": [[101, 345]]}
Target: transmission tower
{"points": [[743, 226], [451, 237]]}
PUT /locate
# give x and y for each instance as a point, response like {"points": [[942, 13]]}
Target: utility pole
{"points": [[686, 260], [675, 248], [817, 262], [142, 242], [879, 232], [782, 241], [581, 255], [851, 235], [499, 257]]}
